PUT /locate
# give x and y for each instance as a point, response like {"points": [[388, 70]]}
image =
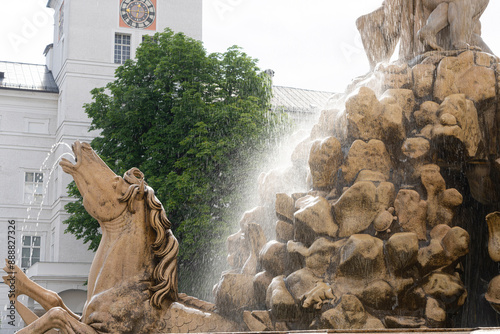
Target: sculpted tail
{"points": [[191, 315]]}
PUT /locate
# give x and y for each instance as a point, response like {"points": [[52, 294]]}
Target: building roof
{"points": [[27, 77], [299, 100]]}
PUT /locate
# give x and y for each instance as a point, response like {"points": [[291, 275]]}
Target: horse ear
{"points": [[133, 176], [137, 173]]}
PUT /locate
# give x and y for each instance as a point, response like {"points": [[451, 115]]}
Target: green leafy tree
{"points": [[194, 123]]}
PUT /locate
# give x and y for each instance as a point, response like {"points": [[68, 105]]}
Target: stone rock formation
{"points": [[375, 231]]}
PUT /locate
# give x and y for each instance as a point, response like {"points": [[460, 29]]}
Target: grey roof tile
{"points": [[299, 100], [27, 77]]}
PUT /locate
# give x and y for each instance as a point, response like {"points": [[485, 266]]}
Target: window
{"points": [[33, 188], [30, 251], [122, 48], [149, 38]]}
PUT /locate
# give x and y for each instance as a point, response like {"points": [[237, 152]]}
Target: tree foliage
{"points": [[194, 124]]}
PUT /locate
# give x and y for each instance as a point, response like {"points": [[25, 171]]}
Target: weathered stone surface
{"points": [[432, 179], [435, 313], [349, 314], [279, 300], [423, 79], [261, 282], [456, 243], [256, 239], [385, 195], [313, 220], [439, 231], [447, 246], [403, 322], [256, 215], [244, 245], [493, 221], [318, 256], [302, 200], [458, 119], [392, 121], [273, 257], [442, 286], [362, 256], [447, 119], [427, 114], [258, 321], [416, 149], [324, 161], [482, 177], [301, 153], [433, 256], [402, 250], [228, 296], [326, 124], [411, 212], [238, 249], [356, 208], [485, 59], [441, 202], [493, 293], [285, 207], [394, 76], [301, 282], [363, 111], [368, 118], [404, 98], [371, 156], [459, 75], [372, 176], [284, 231], [378, 294]]}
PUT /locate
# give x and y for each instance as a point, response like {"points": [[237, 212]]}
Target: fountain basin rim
{"points": [[492, 330]]}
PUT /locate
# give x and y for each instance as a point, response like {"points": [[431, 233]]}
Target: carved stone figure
{"points": [[132, 284], [417, 24], [493, 293], [462, 17]]}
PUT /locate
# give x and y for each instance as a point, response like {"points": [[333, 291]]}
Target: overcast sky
{"points": [[309, 44]]}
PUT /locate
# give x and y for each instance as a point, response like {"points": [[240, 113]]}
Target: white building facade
{"points": [[42, 105]]}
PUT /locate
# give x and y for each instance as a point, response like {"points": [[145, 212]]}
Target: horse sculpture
{"points": [[132, 284]]}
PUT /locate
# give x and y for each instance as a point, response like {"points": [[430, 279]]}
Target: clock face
{"points": [[138, 13]]}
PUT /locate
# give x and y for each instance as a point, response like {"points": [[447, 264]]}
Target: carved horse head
{"points": [[107, 196], [99, 186]]}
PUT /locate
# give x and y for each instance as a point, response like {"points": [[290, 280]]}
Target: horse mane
{"points": [[165, 247]]}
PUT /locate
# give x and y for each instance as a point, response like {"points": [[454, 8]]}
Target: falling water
{"points": [[43, 167], [45, 182]]}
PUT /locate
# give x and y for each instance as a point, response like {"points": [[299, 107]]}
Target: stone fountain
{"points": [[378, 223], [389, 228]]}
